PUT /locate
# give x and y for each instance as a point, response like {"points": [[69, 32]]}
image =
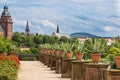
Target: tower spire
{"points": [[27, 30], [57, 31]]}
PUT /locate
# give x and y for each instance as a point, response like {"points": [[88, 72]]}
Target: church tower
{"points": [[57, 31], [27, 30], [6, 23]]}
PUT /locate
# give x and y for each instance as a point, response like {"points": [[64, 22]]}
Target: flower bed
{"points": [[9, 67]]}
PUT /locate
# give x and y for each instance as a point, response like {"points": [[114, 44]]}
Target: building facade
{"points": [[6, 23], [58, 34]]}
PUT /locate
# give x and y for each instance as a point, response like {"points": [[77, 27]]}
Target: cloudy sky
{"points": [[99, 17]]}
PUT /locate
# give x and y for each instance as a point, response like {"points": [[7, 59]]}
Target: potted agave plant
{"points": [[79, 50], [115, 50], [62, 49], [96, 47], [68, 49]]}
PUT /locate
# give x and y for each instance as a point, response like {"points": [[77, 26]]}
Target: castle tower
{"points": [[27, 30], [57, 31], [6, 23]]}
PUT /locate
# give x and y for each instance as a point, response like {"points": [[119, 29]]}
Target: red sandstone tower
{"points": [[6, 23]]}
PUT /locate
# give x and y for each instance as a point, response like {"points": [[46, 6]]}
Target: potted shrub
{"points": [[115, 50], [79, 50], [96, 47], [62, 49], [68, 49]]}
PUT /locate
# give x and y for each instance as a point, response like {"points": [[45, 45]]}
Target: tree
{"points": [[19, 38], [38, 40], [29, 42], [45, 39], [5, 45], [64, 39]]}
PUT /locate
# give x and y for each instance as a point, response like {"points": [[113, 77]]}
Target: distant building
{"points": [[6, 23], [27, 30], [82, 39], [58, 34], [110, 41]]}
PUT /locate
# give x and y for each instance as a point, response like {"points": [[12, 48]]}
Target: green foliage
{"points": [[69, 47], [79, 47], [29, 42], [64, 39], [25, 52], [6, 45], [34, 50], [7, 70], [110, 57], [19, 38], [34, 41], [38, 40], [96, 45], [114, 49]]}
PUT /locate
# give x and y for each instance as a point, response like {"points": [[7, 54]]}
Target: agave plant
{"points": [[80, 47], [69, 47], [96, 45], [115, 48]]}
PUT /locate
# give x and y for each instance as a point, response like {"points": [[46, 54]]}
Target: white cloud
{"points": [[43, 15], [47, 23], [108, 28], [19, 22], [84, 1], [111, 30]]}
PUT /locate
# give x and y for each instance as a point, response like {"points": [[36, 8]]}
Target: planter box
{"points": [[41, 57], [113, 74], [58, 65], [52, 62], [78, 69], [66, 67], [94, 71]]}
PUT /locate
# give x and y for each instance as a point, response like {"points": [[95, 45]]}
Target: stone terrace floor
{"points": [[35, 70]]}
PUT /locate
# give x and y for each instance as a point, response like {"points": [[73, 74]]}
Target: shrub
{"points": [[34, 50], [9, 67]]}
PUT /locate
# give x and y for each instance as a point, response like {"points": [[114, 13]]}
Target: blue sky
{"points": [[99, 17]]}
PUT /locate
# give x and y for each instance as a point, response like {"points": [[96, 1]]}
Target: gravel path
{"points": [[35, 70]]}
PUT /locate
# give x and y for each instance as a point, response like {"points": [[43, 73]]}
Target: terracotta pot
{"points": [[117, 61], [79, 56], [61, 54], [69, 54], [96, 57], [57, 53]]}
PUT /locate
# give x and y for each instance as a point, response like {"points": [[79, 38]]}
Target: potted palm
{"points": [[79, 50], [96, 47]]}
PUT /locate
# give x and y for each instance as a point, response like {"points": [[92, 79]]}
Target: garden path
{"points": [[35, 70]]}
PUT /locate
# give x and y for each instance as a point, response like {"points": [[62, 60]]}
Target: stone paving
{"points": [[35, 70]]}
